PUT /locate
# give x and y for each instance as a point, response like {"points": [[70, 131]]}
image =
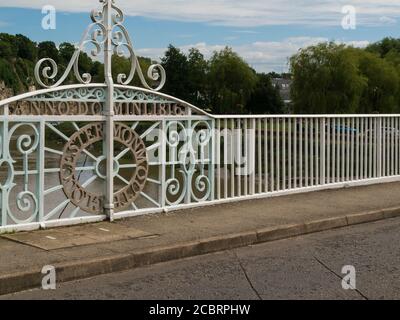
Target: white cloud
{"points": [[238, 12], [387, 20], [262, 56]]}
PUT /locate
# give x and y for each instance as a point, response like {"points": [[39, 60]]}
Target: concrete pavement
{"points": [[305, 267], [85, 251]]}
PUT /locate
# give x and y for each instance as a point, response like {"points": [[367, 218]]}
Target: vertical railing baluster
{"points": [[226, 158], [259, 143], [371, 139], [379, 147], [283, 154], [266, 171], [323, 151], [343, 145], [312, 147], [383, 153], [290, 165], [232, 159], [272, 162], [247, 156], [375, 155], [334, 150], [5, 154], [362, 143], [40, 169], [253, 158], [218, 157], [317, 150], [388, 146], [348, 134], [163, 159], [329, 150], [240, 158], [353, 133], [307, 151], [396, 120], [295, 171], [392, 146], [278, 156], [301, 153], [367, 138]]}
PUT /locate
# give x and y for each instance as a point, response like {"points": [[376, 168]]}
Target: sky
{"points": [[264, 32]]}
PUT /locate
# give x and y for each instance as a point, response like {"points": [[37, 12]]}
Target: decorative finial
{"points": [[106, 24]]}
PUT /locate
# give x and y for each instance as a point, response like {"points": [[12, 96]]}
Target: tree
{"points": [[265, 99], [65, 53], [231, 82], [382, 89], [48, 49], [326, 79], [197, 78], [8, 48], [176, 66], [26, 49], [384, 47]]}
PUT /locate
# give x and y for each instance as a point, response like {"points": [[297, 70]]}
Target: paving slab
{"points": [[77, 236]]}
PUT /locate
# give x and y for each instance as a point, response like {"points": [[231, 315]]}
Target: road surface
{"points": [[306, 267]]}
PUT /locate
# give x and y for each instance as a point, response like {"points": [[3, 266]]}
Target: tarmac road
{"points": [[306, 267]]}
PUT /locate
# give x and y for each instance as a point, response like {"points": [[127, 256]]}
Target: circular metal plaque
{"points": [[82, 140]]}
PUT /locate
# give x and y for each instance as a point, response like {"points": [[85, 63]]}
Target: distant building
{"points": [[284, 88]]}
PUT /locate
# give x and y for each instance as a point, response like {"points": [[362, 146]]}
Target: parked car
{"points": [[344, 129]]}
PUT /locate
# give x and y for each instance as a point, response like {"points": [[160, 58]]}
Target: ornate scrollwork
{"points": [[47, 69], [26, 201], [176, 189], [97, 35], [191, 144], [121, 40]]}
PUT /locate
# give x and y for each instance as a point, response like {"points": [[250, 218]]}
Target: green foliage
{"points": [[232, 82], [326, 79], [385, 47], [7, 74], [224, 84], [382, 90], [197, 79], [26, 49], [331, 78], [265, 99], [48, 49], [176, 66]]}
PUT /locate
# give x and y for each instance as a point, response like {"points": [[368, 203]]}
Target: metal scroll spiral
{"points": [[202, 183], [173, 186], [26, 200], [121, 41], [96, 35]]}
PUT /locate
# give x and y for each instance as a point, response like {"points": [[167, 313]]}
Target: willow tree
{"points": [[326, 79]]}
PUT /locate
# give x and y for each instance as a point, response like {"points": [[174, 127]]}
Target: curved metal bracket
{"points": [[107, 26]]}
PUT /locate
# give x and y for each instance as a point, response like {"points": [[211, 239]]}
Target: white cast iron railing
{"points": [[90, 152]]}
